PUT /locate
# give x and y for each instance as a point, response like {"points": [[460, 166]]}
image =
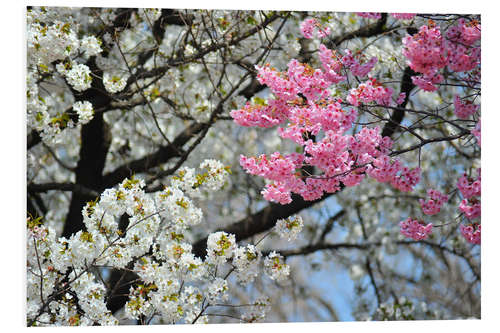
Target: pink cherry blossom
{"points": [[310, 27], [470, 187], [369, 15], [464, 109], [355, 66], [472, 233], [415, 229], [403, 16], [435, 202]]}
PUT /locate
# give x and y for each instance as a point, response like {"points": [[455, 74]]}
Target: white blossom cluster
{"points": [[196, 184], [114, 83], [405, 309], [49, 42], [84, 110], [79, 77], [246, 260], [258, 310], [175, 285], [290, 227], [90, 45], [275, 267]]}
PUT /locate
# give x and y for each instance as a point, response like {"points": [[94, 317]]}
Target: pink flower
{"points": [[407, 179], [427, 82], [470, 187], [261, 115], [370, 91], [331, 65], [464, 109], [471, 208], [310, 26], [369, 15], [433, 205], [472, 233], [425, 50], [403, 16], [355, 65], [415, 229]]}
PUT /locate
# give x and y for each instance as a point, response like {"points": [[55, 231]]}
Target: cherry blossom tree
{"points": [[208, 166]]}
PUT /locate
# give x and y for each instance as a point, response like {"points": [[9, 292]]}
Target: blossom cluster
{"points": [[471, 191], [114, 83], [84, 110], [415, 229], [173, 282], [275, 267], [290, 227], [54, 46], [464, 109], [369, 15], [426, 54], [428, 51], [370, 91], [435, 202], [472, 233], [358, 69], [310, 27], [403, 16], [303, 101]]}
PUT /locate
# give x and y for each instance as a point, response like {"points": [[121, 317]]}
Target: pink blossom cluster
{"points": [[260, 115], [406, 179], [310, 27], [471, 208], [403, 16], [425, 50], [463, 55], [331, 64], [435, 202], [471, 192], [415, 229], [303, 103], [426, 82], [370, 91], [369, 15], [428, 52], [277, 167], [401, 98], [355, 66], [277, 82], [470, 187], [472, 233], [326, 115], [464, 109], [310, 82]]}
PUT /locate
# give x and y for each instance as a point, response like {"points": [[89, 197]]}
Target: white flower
{"points": [[90, 45], [216, 173], [275, 267], [258, 310], [178, 209], [84, 110], [220, 247], [114, 83], [79, 77], [217, 289], [290, 227], [246, 260]]}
